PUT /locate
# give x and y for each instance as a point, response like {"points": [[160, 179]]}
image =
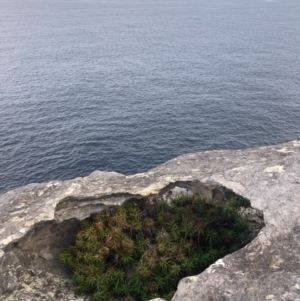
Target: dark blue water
{"points": [[125, 85]]}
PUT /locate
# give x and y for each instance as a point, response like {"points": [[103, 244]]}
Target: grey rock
{"points": [[11, 281], [45, 254], [46, 216]]}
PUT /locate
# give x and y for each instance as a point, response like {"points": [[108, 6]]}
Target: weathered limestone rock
{"points": [[37, 220]]}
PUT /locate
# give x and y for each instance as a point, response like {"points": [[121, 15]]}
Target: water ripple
{"points": [[126, 86]]}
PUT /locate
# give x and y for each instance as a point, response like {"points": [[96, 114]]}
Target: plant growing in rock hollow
{"points": [[140, 250]]}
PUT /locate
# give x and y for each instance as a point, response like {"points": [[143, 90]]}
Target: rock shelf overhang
{"points": [[266, 269]]}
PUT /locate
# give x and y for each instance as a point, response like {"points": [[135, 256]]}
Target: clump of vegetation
{"points": [[140, 250]]}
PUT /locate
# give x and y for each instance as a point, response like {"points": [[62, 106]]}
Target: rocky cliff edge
{"points": [[37, 220]]}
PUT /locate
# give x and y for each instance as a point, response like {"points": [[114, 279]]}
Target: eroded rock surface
{"points": [[37, 220]]}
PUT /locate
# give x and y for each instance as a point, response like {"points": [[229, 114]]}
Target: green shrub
{"points": [[140, 250]]}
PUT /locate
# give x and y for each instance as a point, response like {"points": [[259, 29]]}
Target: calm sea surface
{"points": [[124, 85]]}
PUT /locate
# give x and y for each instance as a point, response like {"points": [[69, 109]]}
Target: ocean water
{"points": [[124, 85]]}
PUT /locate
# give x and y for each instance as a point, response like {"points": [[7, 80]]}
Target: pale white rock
{"points": [[276, 168]]}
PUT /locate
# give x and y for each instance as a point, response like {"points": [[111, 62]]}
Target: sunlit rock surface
{"points": [[37, 220]]}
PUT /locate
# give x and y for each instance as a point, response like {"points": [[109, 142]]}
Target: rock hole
{"points": [[33, 260]]}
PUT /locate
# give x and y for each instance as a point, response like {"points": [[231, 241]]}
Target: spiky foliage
{"points": [[140, 250]]}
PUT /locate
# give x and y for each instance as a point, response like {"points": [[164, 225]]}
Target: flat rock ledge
{"points": [[37, 220]]}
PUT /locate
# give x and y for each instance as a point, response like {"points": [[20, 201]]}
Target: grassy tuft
{"points": [[140, 250]]}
